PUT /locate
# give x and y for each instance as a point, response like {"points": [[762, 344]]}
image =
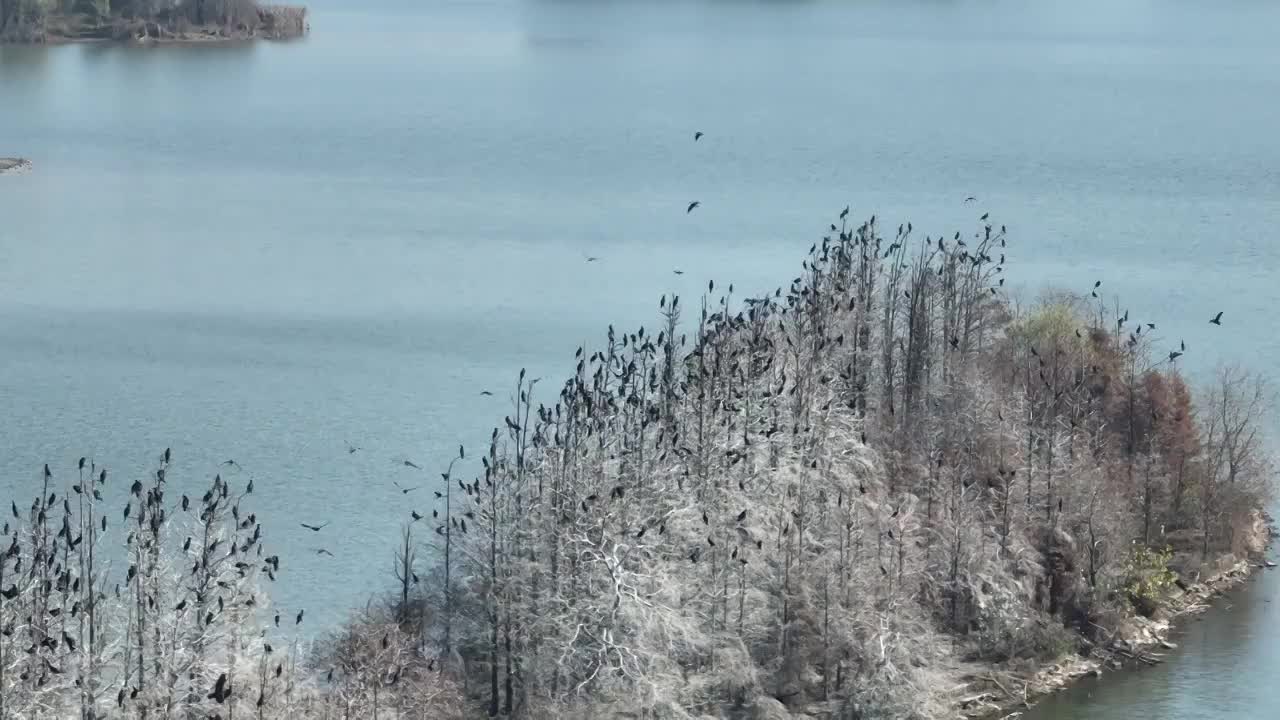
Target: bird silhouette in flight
{"points": [[692, 205], [844, 213], [403, 490], [1217, 319], [410, 463], [486, 393], [697, 136], [322, 551], [592, 258], [352, 449], [970, 199], [1174, 355], [678, 272], [315, 528], [985, 216], [415, 515]]}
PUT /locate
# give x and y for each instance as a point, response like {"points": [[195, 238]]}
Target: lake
{"points": [[265, 252]]}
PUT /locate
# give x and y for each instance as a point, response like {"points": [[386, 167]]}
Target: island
{"points": [[147, 21], [13, 165]]}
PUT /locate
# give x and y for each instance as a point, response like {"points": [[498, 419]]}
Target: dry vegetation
{"points": [[813, 500]]}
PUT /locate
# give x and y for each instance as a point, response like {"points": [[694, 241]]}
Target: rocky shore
{"points": [[1001, 692]]}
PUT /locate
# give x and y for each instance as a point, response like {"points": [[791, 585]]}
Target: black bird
{"points": [[486, 393], [1174, 355], [592, 258], [322, 551], [1183, 345], [697, 136], [692, 205], [298, 619], [403, 490], [970, 199], [984, 216], [314, 528], [414, 514], [219, 692], [742, 516], [1217, 319], [277, 619], [352, 449], [410, 463], [1151, 326], [844, 213]]}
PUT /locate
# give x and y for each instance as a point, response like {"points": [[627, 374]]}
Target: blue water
{"points": [[265, 251]]}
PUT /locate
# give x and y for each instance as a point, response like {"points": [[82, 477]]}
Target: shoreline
{"points": [[1135, 643]]}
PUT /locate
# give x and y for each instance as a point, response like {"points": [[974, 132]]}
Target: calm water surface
{"points": [[262, 252]]}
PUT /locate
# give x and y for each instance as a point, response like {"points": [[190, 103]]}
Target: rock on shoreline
{"points": [[14, 165]]}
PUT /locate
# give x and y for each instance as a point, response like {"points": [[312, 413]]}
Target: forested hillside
{"points": [[818, 498]]}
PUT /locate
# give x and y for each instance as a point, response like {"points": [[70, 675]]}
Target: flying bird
{"points": [[692, 205], [352, 449], [697, 136], [314, 528], [970, 199], [592, 258], [486, 393], [985, 216], [1217, 319], [322, 551], [1174, 355], [403, 490], [412, 464]]}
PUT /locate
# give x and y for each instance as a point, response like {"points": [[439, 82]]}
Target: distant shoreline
{"points": [[264, 22], [14, 165]]}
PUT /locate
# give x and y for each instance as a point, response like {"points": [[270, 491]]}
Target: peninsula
{"points": [[147, 21]]}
